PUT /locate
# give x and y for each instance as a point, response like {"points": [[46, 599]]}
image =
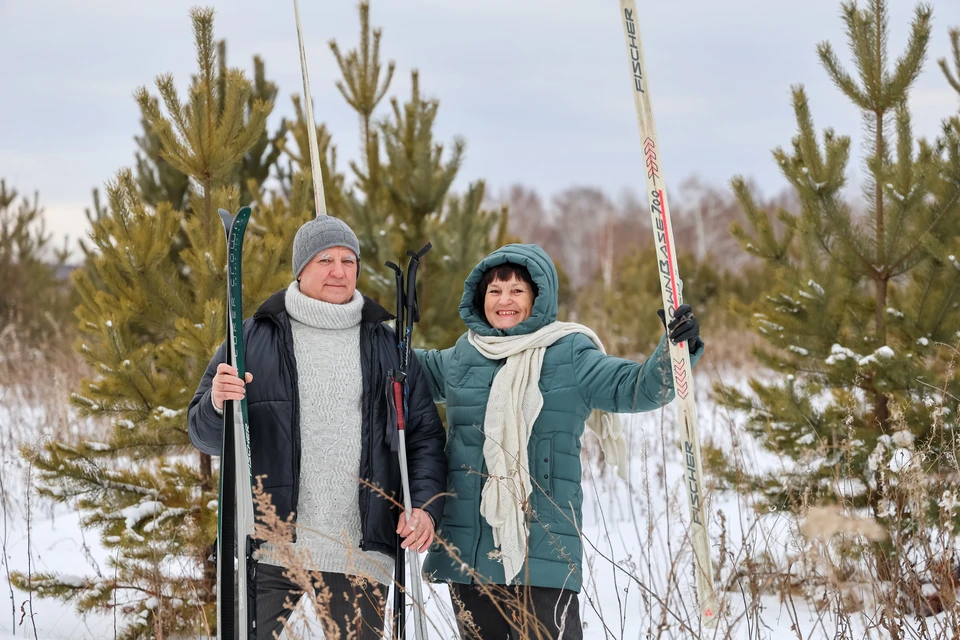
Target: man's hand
{"points": [[418, 533], [227, 385]]}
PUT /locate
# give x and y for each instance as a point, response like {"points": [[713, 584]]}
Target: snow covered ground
{"points": [[639, 526]]}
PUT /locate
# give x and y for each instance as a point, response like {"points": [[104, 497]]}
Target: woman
{"points": [[519, 387]]}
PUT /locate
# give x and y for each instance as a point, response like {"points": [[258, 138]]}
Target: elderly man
{"points": [[318, 431]]}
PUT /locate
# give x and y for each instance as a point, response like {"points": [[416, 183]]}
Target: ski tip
{"points": [[240, 222], [227, 218]]}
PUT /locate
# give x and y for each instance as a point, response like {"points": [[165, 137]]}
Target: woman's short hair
{"points": [[502, 273]]}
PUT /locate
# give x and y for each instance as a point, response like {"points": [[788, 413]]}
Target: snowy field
{"points": [[639, 526]]}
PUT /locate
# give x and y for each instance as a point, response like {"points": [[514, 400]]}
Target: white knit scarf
{"points": [[513, 406]]}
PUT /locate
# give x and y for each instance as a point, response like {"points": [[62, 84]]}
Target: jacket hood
{"points": [[544, 275]]}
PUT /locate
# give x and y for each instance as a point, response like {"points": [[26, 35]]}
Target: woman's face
{"points": [[507, 304]]}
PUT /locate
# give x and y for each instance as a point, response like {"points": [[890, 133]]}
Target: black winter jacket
{"points": [[273, 403]]}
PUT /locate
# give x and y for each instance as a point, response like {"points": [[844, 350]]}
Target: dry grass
{"points": [[35, 382], [828, 569]]}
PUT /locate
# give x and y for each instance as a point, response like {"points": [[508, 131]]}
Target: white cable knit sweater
{"points": [[326, 340]]}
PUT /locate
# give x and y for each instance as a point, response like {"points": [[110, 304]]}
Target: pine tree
{"points": [[160, 181], [33, 300], [401, 196], [151, 315], [861, 330]]}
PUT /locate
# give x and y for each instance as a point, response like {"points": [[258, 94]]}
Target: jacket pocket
{"points": [[542, 480]]}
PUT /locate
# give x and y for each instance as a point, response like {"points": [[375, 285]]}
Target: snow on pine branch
{"points": [[136, 514], [840, 353], [883, 352]]}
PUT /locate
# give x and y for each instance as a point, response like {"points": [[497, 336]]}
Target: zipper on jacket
{"points": [[295, 439], [365, 491], [480, 477]]}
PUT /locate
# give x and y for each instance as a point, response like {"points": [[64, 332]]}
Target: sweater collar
{"points": [[323, 315], [274, 308]]}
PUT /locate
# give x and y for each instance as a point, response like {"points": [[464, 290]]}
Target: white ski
{"points": [[311, 124], [670, 286]]}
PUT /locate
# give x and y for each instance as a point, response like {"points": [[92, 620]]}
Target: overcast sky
{"points": [[538, 88]]}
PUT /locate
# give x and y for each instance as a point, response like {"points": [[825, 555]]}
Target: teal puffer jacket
{"points": [[575, 379]]}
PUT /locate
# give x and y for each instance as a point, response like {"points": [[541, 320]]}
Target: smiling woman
{"points": [[520, 387]]}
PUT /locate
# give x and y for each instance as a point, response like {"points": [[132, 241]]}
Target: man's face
{"points": [[331, 276]]}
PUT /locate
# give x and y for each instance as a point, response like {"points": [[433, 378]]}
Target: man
{"points": [[318, 431]]}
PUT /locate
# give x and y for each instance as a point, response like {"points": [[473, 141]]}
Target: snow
{"points": [[71, 580], [839, 353], [770, 325], [816, 287], [97, 446], [900, 460], [799, 350], [923, 342], [900, 196], [168, 413], [136, 514], [953, 261], [903, 439], [894, 312], [873, 358], [948, 501], [850, 487], [634, 540], [57, 546]]}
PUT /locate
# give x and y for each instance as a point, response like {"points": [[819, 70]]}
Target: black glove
{"points": [[684, 327]]}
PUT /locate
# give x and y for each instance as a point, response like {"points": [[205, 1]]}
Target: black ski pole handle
{"points": [[400, 299], [422, 252], [413, 305]]}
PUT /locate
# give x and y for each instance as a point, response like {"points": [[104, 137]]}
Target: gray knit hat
{"points": [[318, 234]]}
